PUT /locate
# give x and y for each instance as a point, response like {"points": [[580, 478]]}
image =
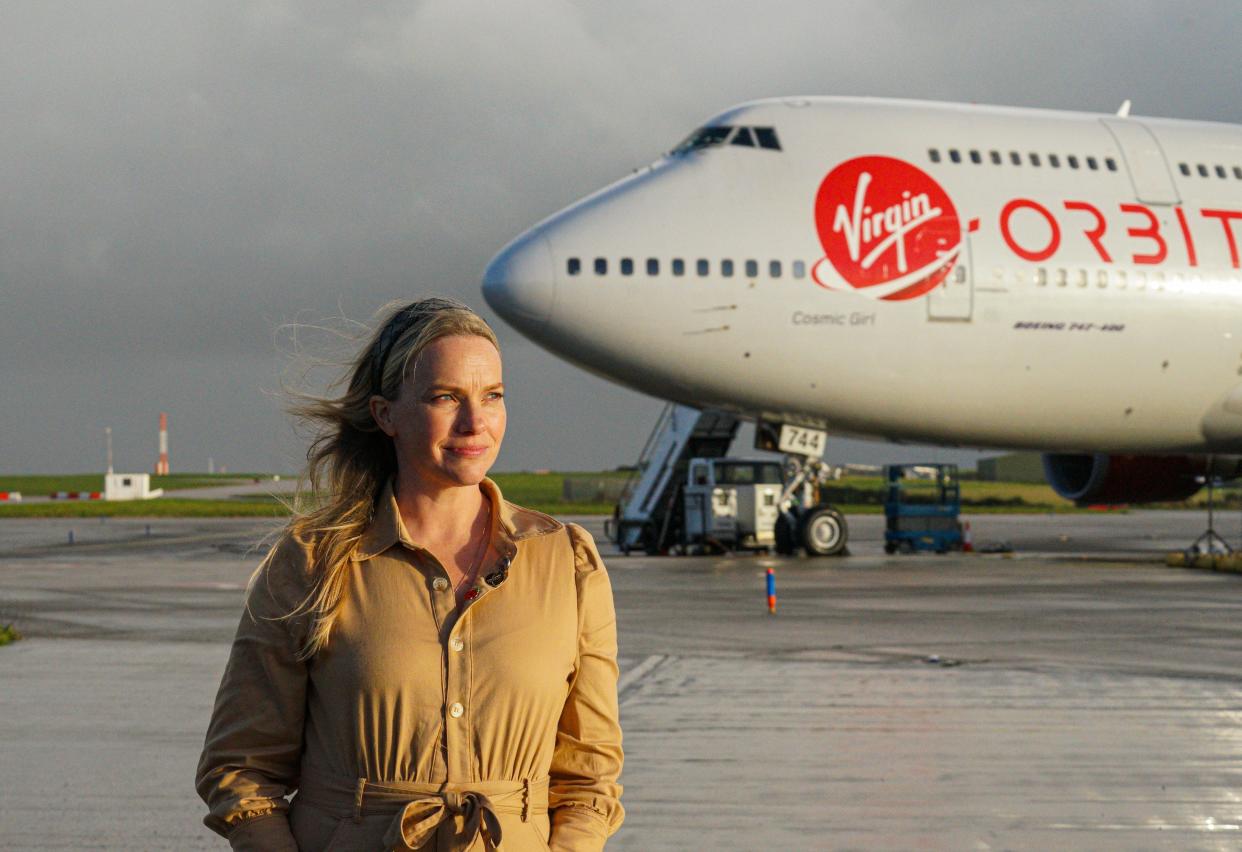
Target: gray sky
{"points": [[177, 179]]}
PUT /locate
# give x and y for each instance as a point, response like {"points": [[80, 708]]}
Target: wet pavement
{"points": [[1074, 695]]}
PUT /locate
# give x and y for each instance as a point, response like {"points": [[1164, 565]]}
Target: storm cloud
{"points": [[179, 179]]}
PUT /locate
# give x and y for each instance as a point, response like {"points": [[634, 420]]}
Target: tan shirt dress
{"points": [[417, 728]]}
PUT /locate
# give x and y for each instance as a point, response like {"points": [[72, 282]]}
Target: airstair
{"points": [[649, 513]]}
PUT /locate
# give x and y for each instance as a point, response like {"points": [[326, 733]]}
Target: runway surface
{"points": [[1075, 695]]}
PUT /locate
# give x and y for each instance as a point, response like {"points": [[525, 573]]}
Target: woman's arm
{"points": [[584, 796], [252, 754]]}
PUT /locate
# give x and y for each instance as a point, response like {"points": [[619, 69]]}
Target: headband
{"points": [[399, 325]]}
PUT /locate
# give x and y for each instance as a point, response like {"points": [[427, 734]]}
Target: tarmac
{"points": [[1074, 694]]}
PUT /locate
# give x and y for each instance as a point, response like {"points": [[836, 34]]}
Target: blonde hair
{"points": [[350, 459]]}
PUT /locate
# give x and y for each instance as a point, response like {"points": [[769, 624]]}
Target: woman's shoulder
{"points": [[293, 548], [586, 555], [288, 566], [529, 524]]}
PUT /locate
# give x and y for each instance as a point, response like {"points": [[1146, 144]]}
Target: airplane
{"points": [[940, 273]]}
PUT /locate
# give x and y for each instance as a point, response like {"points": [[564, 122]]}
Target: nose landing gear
{"points": [[809, 524]]}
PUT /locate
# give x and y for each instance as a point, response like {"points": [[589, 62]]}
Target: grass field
{"points": [[36, 485], [866, 494], [541, 491], [158, 508]]}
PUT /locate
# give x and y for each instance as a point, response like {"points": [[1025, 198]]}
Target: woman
{"points": [[429, 666]]}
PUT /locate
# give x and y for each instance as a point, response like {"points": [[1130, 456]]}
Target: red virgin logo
{"points": [[889, 231]]}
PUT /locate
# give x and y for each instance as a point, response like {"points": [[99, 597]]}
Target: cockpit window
{"points": [[742, 137], [702, 138], [767, 138], [747, 137]]}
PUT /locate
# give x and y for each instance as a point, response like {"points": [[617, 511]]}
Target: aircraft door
{"points": [[954, 298], [1144, 160]]}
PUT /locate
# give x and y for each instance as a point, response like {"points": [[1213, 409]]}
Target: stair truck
{"points": [[687, 496]]}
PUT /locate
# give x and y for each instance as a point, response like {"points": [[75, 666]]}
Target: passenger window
{"points": [[1041, 277], [955, 155], [1120, 275], [1054, 161], [1202, 170], [1062, 280], [1015, 158], [1101, 278], [975, 158], [742, 137], [1140, 280], [573, 266], [627, 266], [726, 268], [752, 269], [774, 268], [996, 157], [1081, 278], [1184, 169], [767, 138], [1092, 164], [1220, 171], [1072, 160], [702, 267], [679, 267], [601, 266], [1237, 172], [1034, 159], [798, 269], [933, 155], [653, 266], [1111, 163]]}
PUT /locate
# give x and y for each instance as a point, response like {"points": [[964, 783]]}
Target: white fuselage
{"points": [[1088, 303]]}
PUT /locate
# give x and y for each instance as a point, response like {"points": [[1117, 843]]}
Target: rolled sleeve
{"points": [[584, 795], [252, 754]]}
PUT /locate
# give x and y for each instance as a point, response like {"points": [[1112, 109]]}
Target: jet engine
{"points": [[1099, 479]]}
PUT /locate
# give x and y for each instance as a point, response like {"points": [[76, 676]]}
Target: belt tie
{"points": [[418, 811], [416, 823]]}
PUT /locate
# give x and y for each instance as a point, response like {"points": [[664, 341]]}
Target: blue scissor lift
{"points": [[922, 513]]}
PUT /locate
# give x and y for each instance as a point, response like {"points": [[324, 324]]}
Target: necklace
{"points": [[480, 552]]}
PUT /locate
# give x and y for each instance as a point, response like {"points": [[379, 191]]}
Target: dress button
{"points": [[456, 644], [439, 584], [456, 710]]}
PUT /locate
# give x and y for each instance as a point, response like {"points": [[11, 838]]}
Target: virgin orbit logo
{"points": [[888, 230]]}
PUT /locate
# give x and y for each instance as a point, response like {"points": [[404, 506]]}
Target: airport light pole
{"points": [[108, 433]]}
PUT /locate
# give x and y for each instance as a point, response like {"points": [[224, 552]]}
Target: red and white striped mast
{"points": [[161, 467]]}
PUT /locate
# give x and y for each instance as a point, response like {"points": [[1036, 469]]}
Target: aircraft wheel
{"points": [[786, 531], [824, 532]]}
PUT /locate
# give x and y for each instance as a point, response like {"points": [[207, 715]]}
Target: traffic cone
{"points": [[968, 541]]}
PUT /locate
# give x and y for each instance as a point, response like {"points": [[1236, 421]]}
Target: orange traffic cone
{"points": [[968, 541]]}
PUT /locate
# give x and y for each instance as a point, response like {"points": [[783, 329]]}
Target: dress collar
{"points": [[510, 524]]}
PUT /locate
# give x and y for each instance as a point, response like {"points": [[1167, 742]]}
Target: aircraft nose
{"points": [[520, 282]]}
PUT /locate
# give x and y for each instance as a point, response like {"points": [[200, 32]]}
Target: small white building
{"points": [[129, 486]]}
